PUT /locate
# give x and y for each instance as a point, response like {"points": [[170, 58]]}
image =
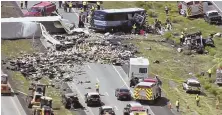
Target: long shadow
{"points": [[161, 102]]}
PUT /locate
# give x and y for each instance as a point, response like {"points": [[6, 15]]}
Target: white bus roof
{"points": [[145, 84], [139, 61], [122, 10]]}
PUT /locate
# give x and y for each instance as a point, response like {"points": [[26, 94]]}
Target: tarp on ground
{"points": [[18, 30]]}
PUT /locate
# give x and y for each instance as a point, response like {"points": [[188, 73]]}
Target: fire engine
{"points": [[148, 90], [5, 87], [193, 8]]}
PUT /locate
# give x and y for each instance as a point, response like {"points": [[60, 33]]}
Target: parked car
{"points": [[212, 16], [123, 94], [192, 85]]}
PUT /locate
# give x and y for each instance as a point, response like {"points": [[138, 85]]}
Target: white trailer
{"points": [[138, 67]]}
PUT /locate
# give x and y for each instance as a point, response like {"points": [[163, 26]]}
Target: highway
{"points": [[108, 76], [10, 105], [218, 5]]}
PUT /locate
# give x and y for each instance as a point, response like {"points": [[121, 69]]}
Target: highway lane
{"points": [[218, 4], [10, 105]]}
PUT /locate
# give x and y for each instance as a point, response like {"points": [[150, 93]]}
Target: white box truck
{"points": [[138, 68]]}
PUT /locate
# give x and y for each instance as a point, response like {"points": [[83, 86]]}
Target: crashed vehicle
{"points": [[192, 85], [212, 16], [41, 9], [92, 98], [106, 110], [135, 108], [117, 19]]}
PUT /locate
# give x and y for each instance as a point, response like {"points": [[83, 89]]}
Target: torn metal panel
{"points": [[18, 30]]}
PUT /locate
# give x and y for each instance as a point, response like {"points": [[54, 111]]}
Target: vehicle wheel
{"points": [[184, 14]]}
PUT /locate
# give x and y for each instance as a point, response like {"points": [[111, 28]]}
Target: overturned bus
{"points": [[117, 19]]}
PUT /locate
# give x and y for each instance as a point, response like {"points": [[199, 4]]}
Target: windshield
{"points": [[194, 84], [99, 16], [124, 90], [107, 109], [94, 96], [33, 9], [213, 14]]}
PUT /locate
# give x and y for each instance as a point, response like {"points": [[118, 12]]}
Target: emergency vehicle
{"points": [[5, 88], [193, 8], [138, 68], [135, 108], [147, 91]]}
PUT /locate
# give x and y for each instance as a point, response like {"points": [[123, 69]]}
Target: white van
{"points": [[138, 67]]}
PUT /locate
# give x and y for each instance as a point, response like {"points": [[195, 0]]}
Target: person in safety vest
{"points": [[98, 5], [134, 29], [92, 8], [70, 6], [197, 100], [97, 87], [182, 38], [84, 3], [178, 105], [21, 3], [209, 73]]}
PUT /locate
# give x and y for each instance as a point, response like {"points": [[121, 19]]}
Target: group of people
{"points": [[85, 14], [22, 4]]}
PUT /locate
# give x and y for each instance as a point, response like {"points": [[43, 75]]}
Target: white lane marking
{"points": [[89, 67], [15, 106], [116, 107], [107, 94], [216, 6], [129, 87], [97, 79], [90, 110]]}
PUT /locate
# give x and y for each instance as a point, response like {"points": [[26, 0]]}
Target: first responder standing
{"points": [[70, 6], [197, 100], [182, 38], [134, 28], [65, 6], [26, 4], [60, 4], [166, 10], [178, 105], [98, 5], [97, 87], [209, 73], [84, 3], [21, 4]]}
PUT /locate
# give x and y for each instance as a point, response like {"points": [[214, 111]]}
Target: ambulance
{"points": [[193, 8]]}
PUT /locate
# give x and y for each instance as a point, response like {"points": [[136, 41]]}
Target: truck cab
{"points": [[41, 9]]}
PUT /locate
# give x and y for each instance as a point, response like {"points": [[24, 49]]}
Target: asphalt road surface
{"points": [[108, 76], [218, 4], [10, 105]]}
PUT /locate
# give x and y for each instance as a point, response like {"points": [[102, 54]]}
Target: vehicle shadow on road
{"points": [[161, 102]]}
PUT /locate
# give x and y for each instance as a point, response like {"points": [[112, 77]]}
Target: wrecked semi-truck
{"points": [[117, 19]]}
